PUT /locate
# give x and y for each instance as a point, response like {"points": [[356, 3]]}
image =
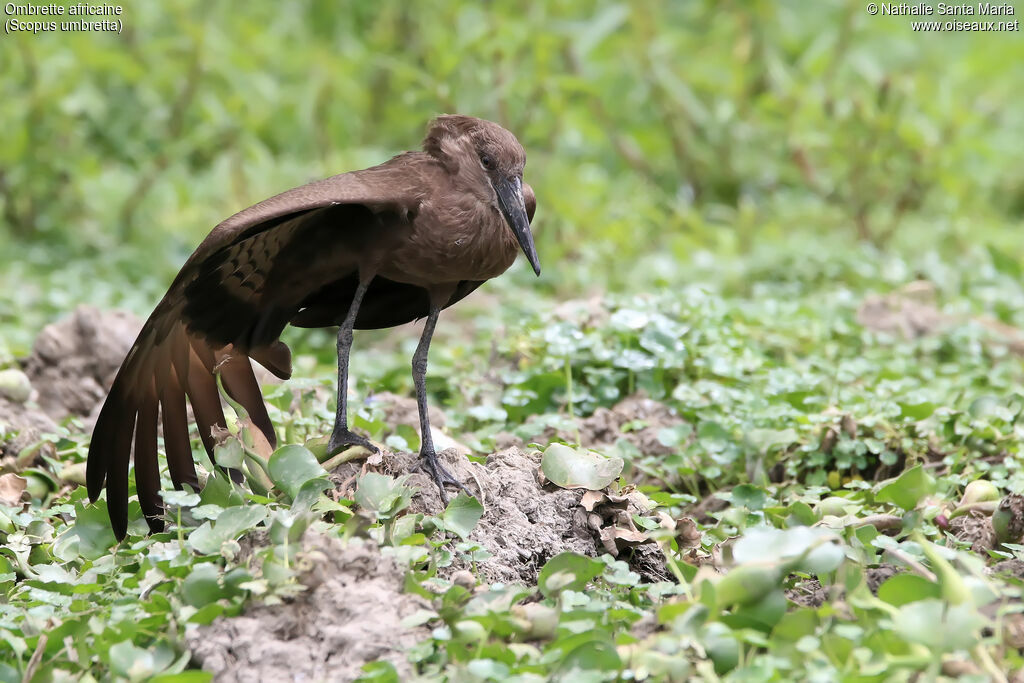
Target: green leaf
{"points": [[765, 440], [136, 663], [235, 521], [721, 646], [207, 613], [802, 513], [7, 672], [92, 526], [310, 492], [744, 584], [578, 468], [800, 548], [938, 625], [749, 496], [184, 677], [185, 499], [209, 538], [292, 466], [675, 437], [462, 514], [762, 614], [901, 589], [229, 454], [597, 654], [568, 571], [907, 489], [382, 495], [796, 624], [378, 672], [287, 529], [1004, 263], [220, 490], [202, 585], [917, 411]]}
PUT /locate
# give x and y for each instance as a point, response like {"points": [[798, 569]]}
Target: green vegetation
{"points": [[793, 224]]}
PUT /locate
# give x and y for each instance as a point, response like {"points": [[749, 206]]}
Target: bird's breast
{"points": [[473, 243]]}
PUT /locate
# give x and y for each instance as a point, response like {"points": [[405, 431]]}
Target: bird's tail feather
{"points": [[150, 389]]}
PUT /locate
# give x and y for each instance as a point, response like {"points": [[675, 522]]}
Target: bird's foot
{"points": [[340, 438], [430, 464]]}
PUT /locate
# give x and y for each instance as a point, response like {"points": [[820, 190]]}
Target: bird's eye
{"points": [[485, 160]]}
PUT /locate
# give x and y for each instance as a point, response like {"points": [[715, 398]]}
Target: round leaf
{"points": [[292, 466], [568, 570], [573, 468], [462, 514]]}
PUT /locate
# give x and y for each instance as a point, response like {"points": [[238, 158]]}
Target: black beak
{"points": [[510, 198]]}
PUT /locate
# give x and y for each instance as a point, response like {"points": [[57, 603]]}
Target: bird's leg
{"points": [[428, 457], [342, 436]]}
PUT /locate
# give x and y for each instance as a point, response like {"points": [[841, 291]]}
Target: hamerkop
{"points": [[362, 250]]}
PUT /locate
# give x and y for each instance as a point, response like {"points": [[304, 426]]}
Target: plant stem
{"points": [[570, 398]]}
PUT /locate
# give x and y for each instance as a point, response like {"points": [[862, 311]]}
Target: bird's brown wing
{"points": [[386, 303], [229, 303]]}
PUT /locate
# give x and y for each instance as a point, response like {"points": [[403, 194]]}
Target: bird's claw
{"points": [[341, 438], [430, 463]]}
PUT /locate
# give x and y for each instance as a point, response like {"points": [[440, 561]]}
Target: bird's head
{"points": [[489, 151]]}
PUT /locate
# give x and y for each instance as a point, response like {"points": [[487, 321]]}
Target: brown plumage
{"points": [[362, 250]]}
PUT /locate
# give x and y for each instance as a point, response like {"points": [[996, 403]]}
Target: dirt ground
{"points": [[350, 614], [72, 364], [324, 633], [74, 360], [526, 522], [605, 426]]}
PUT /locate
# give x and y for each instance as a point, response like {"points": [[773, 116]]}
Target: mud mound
{"points": [[350, 614], [976, 529], [21, 421], [72, 364], [73, 360], [525, 523], [910, 312], [644, 417], [604, 427], [1013, 569], [810, 593]]}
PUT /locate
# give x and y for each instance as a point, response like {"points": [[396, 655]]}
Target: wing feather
{"points": [[120, 444], [147, 472], [180, 465], [202, 394], [241, 385]]}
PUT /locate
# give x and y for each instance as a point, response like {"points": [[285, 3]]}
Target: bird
{"points": [[367, 249]]}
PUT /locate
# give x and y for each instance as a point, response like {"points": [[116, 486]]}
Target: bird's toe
{"points": [[431, 464], [341, 439]]}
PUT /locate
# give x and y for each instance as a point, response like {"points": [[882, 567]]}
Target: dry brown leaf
{"points": [[615, 539], [687, 533], [376, 459], [260, 445], [11, 488], [591, 499]]}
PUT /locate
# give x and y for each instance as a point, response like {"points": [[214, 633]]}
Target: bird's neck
{"points": [[476, 210]]}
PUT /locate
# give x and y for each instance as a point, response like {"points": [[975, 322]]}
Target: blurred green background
{"points": [[724, 143]]}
